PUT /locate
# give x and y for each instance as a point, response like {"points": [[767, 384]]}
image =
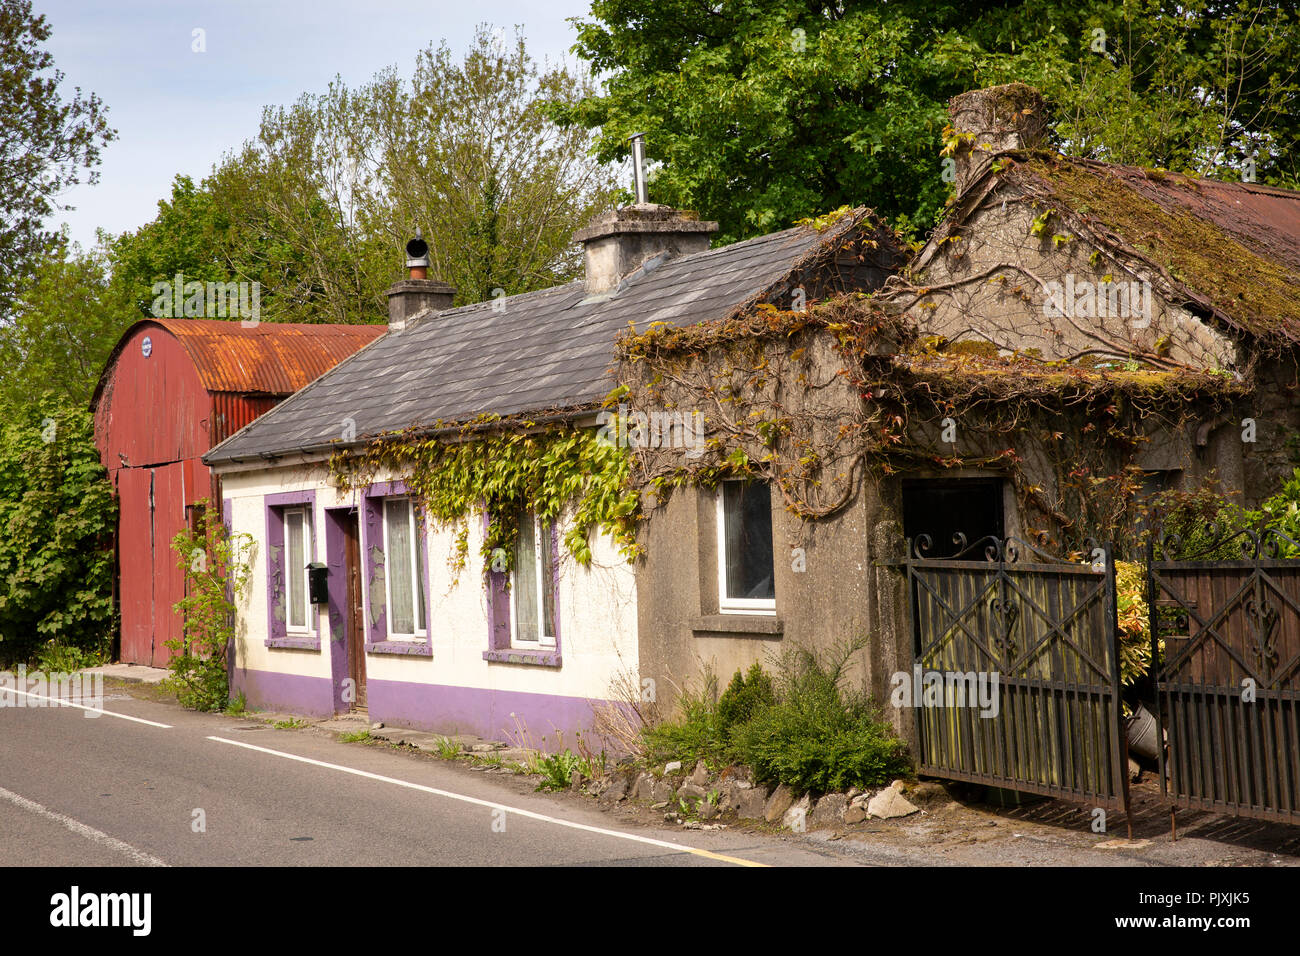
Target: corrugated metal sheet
{"points": [[270, 358]]}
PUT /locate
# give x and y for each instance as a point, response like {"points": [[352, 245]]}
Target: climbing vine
{"points": [[504, 468], [813, 400]]}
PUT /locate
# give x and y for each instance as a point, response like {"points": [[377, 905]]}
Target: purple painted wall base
{"points": [[475, 710], [434, 707], [271, 690]]}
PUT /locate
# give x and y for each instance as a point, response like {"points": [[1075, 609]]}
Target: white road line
{"points": [[96, 710], [677, 847], [81, 829]]}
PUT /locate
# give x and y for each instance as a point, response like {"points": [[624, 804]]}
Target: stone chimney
{"points": [[409, 297], [998, 118], [617, 243]]}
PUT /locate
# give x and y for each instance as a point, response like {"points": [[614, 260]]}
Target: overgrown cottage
{"points": [[1074, 336]]}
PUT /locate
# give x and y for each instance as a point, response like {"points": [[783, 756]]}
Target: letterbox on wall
{"points": [[318, 582]]}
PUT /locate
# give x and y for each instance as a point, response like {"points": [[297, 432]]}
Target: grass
{"points": [[448, 749], [355, 736], [290, 723]]}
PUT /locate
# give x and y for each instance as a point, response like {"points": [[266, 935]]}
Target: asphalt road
{"points": [[109, 791]]}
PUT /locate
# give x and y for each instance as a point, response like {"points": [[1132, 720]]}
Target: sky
{"points": [[177, 110]]}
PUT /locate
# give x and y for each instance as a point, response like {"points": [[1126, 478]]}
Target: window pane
{"points": [[296, 562], [420, 602], [548, 579], [524, 582], [397, 565], [747, 515]]}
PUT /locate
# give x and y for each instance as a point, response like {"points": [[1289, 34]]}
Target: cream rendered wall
{"points": [[597, 607]]}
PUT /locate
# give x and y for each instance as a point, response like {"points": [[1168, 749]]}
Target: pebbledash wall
{"points": [[448, 686]]}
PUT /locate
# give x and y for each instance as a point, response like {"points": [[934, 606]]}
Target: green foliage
{"points": [[557, 769], [511, 470], [695, 734], [355, 736], [766, 112], [317, 205], [49, 143], [239, 705], [1134, 621], [820, 735], [290, 723], [745, 696], [57, 516], [66, 320], [218, 570], [1281, 512], [55, 658]]}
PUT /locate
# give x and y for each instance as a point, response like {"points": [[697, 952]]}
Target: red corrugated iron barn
{"points": [[172, 389]]}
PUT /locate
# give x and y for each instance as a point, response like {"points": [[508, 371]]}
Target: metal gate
{"points": [[1045, 626], [1226, 639]]}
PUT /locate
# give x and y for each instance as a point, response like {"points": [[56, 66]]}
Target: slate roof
{"points": [[544, 351]]}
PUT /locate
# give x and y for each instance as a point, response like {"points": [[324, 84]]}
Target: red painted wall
{"points": [[151, 426]]}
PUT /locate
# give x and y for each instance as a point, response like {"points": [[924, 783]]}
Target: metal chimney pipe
{"points": [[417, 256], [638, 167]]}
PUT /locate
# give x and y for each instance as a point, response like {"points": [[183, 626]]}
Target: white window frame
{"points": [[543, 639], [417, 586], [730, 605], [309, 554]]}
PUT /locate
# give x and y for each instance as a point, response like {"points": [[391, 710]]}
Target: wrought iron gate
{"points": [[1226, 639], [1045, 626]]}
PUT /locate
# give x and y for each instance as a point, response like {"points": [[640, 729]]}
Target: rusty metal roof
{"points": [[271, 358]]}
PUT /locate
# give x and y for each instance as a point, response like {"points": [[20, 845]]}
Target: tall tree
{"points": [[760, 112], [46, 143], [66, 320], [318, 206]]}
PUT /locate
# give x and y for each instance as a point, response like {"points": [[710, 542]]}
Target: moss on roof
{"points": [[1247, 290]]}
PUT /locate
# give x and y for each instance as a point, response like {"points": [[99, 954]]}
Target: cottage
{"points": [[795, 408], [171, 389], [1001, 385], [422, 625]]}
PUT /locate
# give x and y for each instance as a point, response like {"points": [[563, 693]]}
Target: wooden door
{"points": [[354, 611]]}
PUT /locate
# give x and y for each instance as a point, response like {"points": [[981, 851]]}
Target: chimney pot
{"points": [[409, 297]]}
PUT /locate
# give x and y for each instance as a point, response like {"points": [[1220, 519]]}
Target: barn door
{"points": [[135, 550]]}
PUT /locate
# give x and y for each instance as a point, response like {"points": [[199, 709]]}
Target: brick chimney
{"points": [[617, 243], [998, 118], [409, 297]]}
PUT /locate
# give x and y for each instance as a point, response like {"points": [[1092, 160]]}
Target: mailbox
{"points": [[318, 582]]}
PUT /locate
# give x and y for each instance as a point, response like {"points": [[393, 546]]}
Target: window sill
{"points": [[542, 657], [300, 643], [402, 648], [764, 624]]}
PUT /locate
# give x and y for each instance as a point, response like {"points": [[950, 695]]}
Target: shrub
{"points": [[820, 735], [745, 696], [57, 515], [696, 734], [218, 570]]}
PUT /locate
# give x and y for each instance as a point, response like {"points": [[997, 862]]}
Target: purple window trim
{"points": [[296, 643], [403, 648], [277, 630], [501, 647], [372, 530], [544, 657]]}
